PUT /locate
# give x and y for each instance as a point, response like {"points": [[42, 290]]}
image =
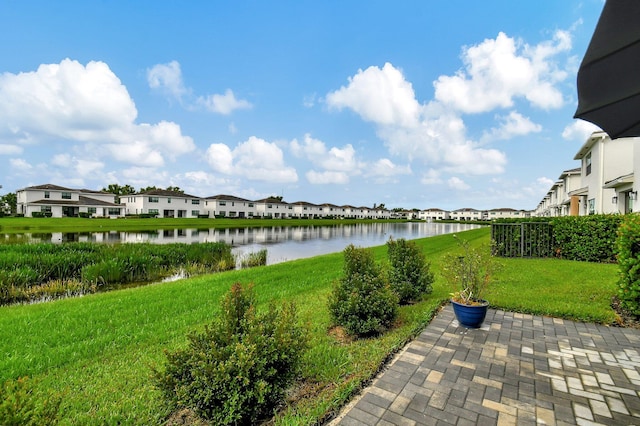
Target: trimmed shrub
{"points": [[18, 407], [239, 368], [409, 276], [586, 238], [628, 250], [362, 300]]}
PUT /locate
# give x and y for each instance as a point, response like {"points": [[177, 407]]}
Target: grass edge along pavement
{"points": [[96, 351]]}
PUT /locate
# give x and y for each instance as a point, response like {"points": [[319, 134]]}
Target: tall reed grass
{"points": [[35, 271]]}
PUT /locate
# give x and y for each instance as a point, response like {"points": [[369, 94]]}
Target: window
{"points": [[233, 204], [66, 195], [592, 206], [169, 200], [114, 211], [47, 194], [153, 211], [269, 206], [195, 212], [45, 209], [195, 201], [223, 203], [153, 200], [587, 162], [250, 204], [91, 210]]}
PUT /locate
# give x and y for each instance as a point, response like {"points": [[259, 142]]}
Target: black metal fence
{"points": [[526, 239]]}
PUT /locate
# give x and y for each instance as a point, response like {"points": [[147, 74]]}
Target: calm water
{"points": [[282, 243]]}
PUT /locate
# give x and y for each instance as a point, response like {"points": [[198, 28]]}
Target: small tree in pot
{"points": [[469, 271]]}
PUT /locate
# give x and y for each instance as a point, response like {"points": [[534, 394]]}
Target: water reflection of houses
{"points": [[235, 236]]}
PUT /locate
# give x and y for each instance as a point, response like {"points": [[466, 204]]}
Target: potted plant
{"points": [[469, 271]]}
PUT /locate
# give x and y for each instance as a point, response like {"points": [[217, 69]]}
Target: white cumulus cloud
{"points": [[327, 177], [431, 134], [224, 104], [513, 124], [457, 184], [254, 159], [10, 149], [498, 70], [167, 78], [579, 130], [84, 104], [380, 95]]}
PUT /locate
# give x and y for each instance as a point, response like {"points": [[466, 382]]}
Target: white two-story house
{"points": [[56, 201], [272, 207], [163, 203], [229, 206], [607, 174]]}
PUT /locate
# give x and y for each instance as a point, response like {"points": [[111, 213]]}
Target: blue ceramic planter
{"points": [[470, 316]]}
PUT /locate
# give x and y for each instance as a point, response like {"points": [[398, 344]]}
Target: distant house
{"points": [[506, 213], [56, 201], [163, 203], [272, 207], [467, 214], [230, 206], [433, 214], [305, 210]]}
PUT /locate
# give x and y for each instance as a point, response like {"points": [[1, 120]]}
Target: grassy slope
{"points": [[97, 350], [12, 225]]}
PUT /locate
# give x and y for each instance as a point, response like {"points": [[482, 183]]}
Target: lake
{"points": [[283, 243]]}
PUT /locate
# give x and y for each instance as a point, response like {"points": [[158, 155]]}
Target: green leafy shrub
{"points": [[586, 238], [628, 251], [240, 366], [18, 407], [362, 300], [410, 276]]}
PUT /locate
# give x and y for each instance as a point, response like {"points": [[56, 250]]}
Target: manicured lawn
{"points": [[10, 225], [96, 351]]}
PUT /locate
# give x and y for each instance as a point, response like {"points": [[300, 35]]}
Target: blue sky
{"points": [[414, 104]]}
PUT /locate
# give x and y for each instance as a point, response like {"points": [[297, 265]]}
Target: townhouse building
{"points": [[229, 206], [57, 201], [433, 214], [163, 203], [506, 213], [466, 214], [603, 184], [273, 208]]}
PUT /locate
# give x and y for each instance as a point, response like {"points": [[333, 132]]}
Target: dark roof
{"points": [[466, 209], [271, 200], [504, 209], [50, 186], [82, 201], [165, 193], [227, 197]]}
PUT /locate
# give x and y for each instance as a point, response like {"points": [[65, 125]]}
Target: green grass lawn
{"points": [[97, 351], [12, 225]]}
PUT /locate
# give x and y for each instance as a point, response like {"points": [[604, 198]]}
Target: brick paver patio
{"points": [[516, 370]]}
